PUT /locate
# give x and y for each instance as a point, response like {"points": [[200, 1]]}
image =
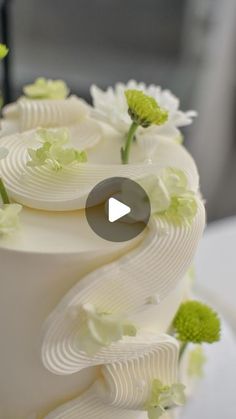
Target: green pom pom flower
{"points": [[3, 51], [54, 152], [197, 323], [144, 110], [164, 397], [46, 89]]}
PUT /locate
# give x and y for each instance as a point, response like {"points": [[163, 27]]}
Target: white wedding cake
{"points": [[90, 328]]}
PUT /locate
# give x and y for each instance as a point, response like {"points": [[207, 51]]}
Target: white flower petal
{"points": [[110, 106]]}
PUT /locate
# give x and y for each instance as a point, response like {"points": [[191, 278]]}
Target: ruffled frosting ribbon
{"points": [[123, 286], [124, 387]]}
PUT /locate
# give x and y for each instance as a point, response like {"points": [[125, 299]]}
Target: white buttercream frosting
{"points": [[30, 113], [90, 406], [122, 286], [128, 384], [155, 266], [41, 188]]}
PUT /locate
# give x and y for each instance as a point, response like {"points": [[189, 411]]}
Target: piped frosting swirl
{"points": [[30, 113]]}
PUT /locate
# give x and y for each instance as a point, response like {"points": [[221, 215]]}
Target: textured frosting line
{"points": [[46, 113], [41, 189], [123, 286], [89, 406], [128, 384]]}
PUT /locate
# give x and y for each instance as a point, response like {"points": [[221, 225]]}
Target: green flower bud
{"points": [[144, 110]]}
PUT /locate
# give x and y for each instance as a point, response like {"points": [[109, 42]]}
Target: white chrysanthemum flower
{"points": [[110, 106], [9, 218]]}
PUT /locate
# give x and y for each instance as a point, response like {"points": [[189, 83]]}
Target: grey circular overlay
{"points": [[106, 202]]}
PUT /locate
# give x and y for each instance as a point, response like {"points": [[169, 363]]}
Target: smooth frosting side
{"points": [[30, 113], [49, 233]]}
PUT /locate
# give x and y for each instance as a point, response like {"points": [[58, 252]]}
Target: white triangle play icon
{"points": [[117, 210]]}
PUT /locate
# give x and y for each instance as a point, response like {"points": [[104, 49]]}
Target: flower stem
{"points": [[3, 193], [182, 350], [125, 151]]}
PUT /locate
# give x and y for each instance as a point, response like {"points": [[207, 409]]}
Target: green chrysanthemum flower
{"points": [[144, 110], [3, 51], [197, 323]]}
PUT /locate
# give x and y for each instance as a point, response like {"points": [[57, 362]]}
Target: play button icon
{"points": [[118, 209]]}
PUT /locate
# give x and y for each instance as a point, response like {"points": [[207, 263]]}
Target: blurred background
{"points": [[187, 46]]}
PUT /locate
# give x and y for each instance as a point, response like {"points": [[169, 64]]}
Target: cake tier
{"points": [[39, 265], [55, 263]]}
